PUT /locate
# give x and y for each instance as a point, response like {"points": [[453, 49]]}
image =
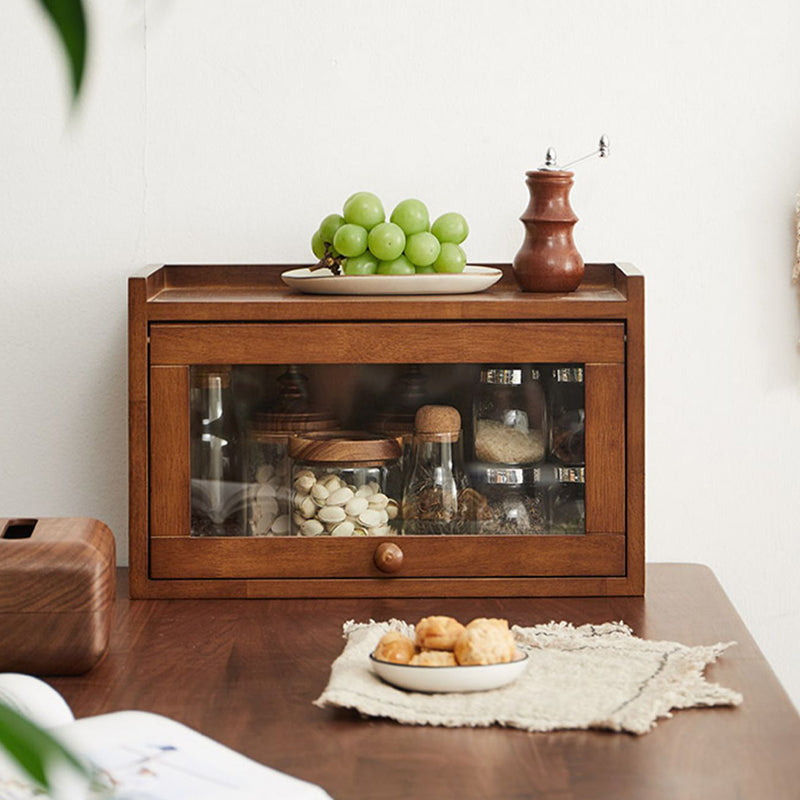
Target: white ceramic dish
{"points": [[322, 281], [450, 679]]}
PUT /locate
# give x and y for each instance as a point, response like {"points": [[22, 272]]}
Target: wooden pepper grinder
{"points": [[548, 260]]}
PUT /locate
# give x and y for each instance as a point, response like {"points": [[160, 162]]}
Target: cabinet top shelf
{"points": [[255, 292]]}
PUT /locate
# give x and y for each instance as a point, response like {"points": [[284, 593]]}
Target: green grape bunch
{"points": [[360, 240]]}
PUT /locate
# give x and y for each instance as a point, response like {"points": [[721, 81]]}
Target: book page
{"points": [[146, 756], [34, 699]]}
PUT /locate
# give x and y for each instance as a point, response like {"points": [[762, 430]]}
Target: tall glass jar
{"points": [[509, 416], [345, 483], [436, 496], [567, 415], [217, 462], [567, 513]]}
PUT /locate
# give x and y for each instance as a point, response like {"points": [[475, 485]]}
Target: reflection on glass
{"points": [[567, 415], [567, 501], [218, 496], [523, 424]]}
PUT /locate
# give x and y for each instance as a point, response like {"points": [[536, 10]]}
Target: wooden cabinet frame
{"points": [[182, 316]]}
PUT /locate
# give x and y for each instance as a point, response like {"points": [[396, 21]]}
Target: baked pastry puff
{"points": [[395, 647], [434, 658], [438, 633], [501, 624], [485, 644]]}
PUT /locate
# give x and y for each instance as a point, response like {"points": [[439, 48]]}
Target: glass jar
{"points": [[436, 497], [395, 415], [568, 501], [567, 415], [268, 474], [509, 416], [344, 483], [515, 497], [217, 462], [269, 479]]}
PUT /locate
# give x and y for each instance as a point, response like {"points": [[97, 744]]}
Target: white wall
{"points": [[225, 131]]}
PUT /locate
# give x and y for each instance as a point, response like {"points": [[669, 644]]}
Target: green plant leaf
{"points": [[32, 747], [70, 21]]}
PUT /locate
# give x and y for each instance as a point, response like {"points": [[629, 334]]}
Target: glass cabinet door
{"points": [[519, 456], [278, 451]]}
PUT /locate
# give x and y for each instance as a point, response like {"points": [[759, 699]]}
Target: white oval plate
{"points": [[450, 679], [322, 281]]}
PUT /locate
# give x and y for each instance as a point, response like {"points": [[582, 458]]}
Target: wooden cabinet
{"points": [[182, 317]]}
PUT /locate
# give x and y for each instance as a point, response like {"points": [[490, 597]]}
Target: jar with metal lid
{"points": [[567, 415], [567, 513], [436, 497], [216, 455], [509, 416], [515, 497], [344, 483]]}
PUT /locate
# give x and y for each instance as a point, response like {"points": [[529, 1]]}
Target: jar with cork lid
{"points": [[437, 498]]}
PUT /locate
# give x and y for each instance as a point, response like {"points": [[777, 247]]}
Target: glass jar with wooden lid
{"points": [[269, 479], [345, 483]]}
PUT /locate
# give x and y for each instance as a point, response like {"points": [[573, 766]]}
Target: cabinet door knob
{"points": [[388, 557]]}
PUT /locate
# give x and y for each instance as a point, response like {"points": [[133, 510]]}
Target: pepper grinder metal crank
{"points": [[548, 260]]}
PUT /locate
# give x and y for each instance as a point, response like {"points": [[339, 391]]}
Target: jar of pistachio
{"points": [[345, 483]]}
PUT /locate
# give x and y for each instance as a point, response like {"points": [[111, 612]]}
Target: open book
{"points": [[141, 756]]}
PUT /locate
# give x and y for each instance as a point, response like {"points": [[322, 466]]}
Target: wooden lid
{"points": [[343, 447], [268, 424], [393, 425], [437, 423]]}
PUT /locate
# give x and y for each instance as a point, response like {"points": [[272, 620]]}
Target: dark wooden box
{"points": [[57, 589]]}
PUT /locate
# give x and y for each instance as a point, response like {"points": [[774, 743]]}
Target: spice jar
{"points": [[216, 455], [344, 483], [509, 416], [567, 415], [568, 501], [515, 498], [436, 496]]}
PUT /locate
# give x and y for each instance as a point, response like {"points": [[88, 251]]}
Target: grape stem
{"points": [[329, 261]]}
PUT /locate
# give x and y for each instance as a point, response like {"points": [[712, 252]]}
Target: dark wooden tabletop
{"points": [[245, 672]]}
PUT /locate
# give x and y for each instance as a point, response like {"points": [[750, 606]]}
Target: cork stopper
{"points": [[437, 423]]}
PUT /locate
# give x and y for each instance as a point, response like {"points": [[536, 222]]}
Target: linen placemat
{"points": [[591, 676]]}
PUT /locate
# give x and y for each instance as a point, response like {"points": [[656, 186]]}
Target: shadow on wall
{"points": [[796, 269]]}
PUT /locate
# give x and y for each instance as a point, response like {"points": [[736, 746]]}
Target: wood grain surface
{"points": [[246, 672], [386, 342], [56, 594], [184, 315]]}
